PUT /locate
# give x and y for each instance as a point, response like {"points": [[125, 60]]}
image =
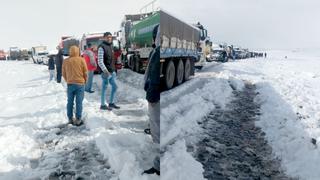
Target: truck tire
{"points": [[170, 75], [136, 64], [187, 69], [179, 72], [131, 63]]}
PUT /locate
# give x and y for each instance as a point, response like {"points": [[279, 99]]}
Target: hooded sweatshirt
{"points": [[74, 68]]}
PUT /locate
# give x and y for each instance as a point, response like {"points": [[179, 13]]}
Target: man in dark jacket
{"points": [[51, 66], [106, 62], [152, 88], [59, 61]]}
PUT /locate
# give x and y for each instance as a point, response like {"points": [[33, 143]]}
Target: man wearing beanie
{"points": [[106, 62]]}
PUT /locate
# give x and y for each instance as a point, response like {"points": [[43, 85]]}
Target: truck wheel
{"points": [[131, 63], [170, 75], [179, 72], [136, 64], [187, 69]]}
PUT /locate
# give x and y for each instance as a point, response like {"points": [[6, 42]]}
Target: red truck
{"points": [[95, 39], [2, 55]]}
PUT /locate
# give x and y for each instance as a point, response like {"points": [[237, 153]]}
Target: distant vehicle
{"points": [[67, 43], [39, 54], [182, 49], [95, 39], [24, 54], [2, 55], [219, 54], [14, 53]]}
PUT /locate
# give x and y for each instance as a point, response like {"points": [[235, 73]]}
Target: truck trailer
{"points": [[136, 37], [182, 49]]}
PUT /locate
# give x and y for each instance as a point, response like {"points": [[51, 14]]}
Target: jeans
{"points": [[154, 116], [112, 80], [59, 74], [51, 72], [88, 86], [75, 91]]}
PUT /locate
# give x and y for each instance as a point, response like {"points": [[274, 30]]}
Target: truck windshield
{"points": [[116, 45], [94, 41]]}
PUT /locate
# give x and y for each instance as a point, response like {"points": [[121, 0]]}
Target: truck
{"points": [[182, 49], [67, 43], [14, 53], [39, 54], [136, 37], [2, 55], [24, 55], [95, 39]]}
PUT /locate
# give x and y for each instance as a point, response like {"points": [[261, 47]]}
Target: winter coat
{"points": [[106, 60], [90, 58], [51, 63], [74, 68], [152, 77]]}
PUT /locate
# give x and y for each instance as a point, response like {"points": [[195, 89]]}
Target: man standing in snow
{"points": [[152, 88], [74, 71], [59, 61], [51, 67], [106, 62], [91, 65]]}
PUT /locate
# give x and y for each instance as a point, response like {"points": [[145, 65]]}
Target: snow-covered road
{"points": [[35, 143], [287, 93]]}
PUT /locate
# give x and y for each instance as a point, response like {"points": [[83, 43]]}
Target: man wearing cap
{"points": [[106, 62]]}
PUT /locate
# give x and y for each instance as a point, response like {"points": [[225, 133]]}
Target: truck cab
{"points": [[95, 39]]}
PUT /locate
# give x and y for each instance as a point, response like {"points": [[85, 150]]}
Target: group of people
{"points": [[78, 70]]}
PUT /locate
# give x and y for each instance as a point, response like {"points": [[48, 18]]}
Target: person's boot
{"points": [[147, 131], [112, 105], [151, 171], [70, 121], [105, 107], [77, 122]]}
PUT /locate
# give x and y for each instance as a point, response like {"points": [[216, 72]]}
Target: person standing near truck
{"points": [[106, 62], [152, 88], [59, 62], [51, 67], [74, 71], [89, 56]]}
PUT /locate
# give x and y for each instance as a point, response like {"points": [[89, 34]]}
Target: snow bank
{"points": [[178, 164], [119, 134], [189, 103]]}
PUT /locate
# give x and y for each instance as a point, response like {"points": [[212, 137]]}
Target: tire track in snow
{"points": [[232, 147]]}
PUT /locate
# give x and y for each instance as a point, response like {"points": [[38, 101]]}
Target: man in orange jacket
{"points": [[74, 71]]}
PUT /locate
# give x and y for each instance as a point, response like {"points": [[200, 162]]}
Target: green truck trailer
{"points": [[137, 33]]}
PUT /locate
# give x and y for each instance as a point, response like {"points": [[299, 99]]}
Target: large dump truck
{"points": [[67, 43], [39, 54], [24, 55], [2, 55], [182, 49], [137, 39], [14, 53]]}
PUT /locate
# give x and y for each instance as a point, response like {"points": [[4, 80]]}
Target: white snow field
{"points": [[288, 92], [35, 145]]}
